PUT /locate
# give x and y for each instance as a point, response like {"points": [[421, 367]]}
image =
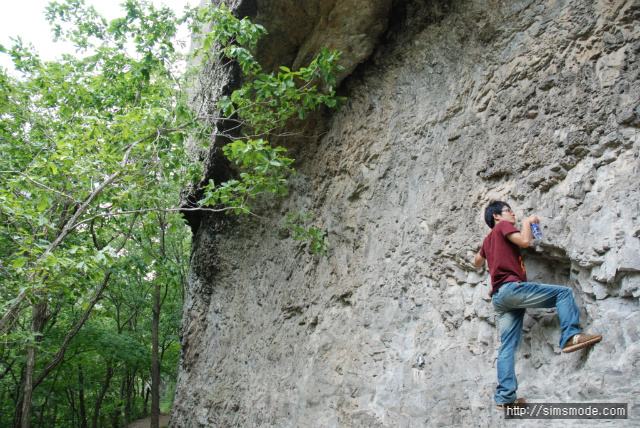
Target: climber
{"points": [[511, 294]]}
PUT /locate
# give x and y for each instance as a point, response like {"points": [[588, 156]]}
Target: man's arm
{"points": [[479, 260], [523, 238]]}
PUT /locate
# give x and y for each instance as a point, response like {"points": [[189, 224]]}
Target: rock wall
{"points": [[459, 103]]}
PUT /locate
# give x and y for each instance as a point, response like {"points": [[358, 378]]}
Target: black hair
{"points": [[493, 208]]}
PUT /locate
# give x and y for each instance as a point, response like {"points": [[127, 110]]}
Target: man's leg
{"points": [[510, 327], [534, 295], [510, 303]]}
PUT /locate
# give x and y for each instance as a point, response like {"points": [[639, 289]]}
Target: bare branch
{"points": [[165, 210], [41, 185]]}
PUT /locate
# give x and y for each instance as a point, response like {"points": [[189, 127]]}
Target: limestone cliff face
{"points": [[451, 104]]}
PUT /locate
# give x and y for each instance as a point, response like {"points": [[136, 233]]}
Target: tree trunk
{"points": [[147, 392], [38, 318], [100, 398], [129, 376], [155, 361], [118, 410], [22, 413], [55, 415], [71, 398], [81, 402], [17, 414], [45, 404]]}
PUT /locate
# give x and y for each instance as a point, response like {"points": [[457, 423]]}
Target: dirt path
{"points": [[146, 422]]}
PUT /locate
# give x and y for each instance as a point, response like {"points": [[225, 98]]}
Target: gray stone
{"points": [[451, 104]]}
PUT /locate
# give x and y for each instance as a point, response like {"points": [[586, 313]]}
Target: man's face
{"points": [[506, 215]]}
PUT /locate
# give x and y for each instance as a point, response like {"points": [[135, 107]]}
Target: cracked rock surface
{"points": [[451, 104]]}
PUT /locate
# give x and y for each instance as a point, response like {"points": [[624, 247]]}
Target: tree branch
{"points": [[166, 210], [60, 354], [41, 185], [71, 224]]}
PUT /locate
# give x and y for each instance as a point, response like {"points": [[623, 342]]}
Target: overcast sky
{"points": [[25, 18]]}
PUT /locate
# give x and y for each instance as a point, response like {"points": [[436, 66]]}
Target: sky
{"points": [[25, 18]]}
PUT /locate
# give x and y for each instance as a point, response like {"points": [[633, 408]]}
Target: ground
{"points": [[146, 422]]}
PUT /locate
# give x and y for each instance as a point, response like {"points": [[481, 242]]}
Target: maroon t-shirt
{"points": [[503, 256]]}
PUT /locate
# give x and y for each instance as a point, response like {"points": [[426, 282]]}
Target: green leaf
{"points": [[18, 263], [42, 204]]}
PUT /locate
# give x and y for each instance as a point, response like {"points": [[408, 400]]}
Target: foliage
{"points": [[313, 235], [261, 106], [82, 139], [93, 154]]}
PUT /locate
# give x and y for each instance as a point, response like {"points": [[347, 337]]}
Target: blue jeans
{"points": [[510, 303]]}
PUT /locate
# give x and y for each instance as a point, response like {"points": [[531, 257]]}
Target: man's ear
{"points": [[496, 217]]}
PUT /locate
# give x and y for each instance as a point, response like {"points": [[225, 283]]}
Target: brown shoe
{"points": [[579, 341], [520, 402]]}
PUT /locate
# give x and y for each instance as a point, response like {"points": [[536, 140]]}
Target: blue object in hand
{"points": [[535, 231]]}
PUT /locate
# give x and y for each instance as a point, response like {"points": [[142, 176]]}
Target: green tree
{"points": [[92, 152]]}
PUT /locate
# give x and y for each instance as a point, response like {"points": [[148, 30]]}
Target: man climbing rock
{"points": [[511, 294]]}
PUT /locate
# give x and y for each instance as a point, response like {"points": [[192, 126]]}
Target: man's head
{"points": [[498, 211]]}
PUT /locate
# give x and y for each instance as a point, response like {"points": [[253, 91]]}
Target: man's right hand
{"points": [[532, 219], [523, 238]]}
